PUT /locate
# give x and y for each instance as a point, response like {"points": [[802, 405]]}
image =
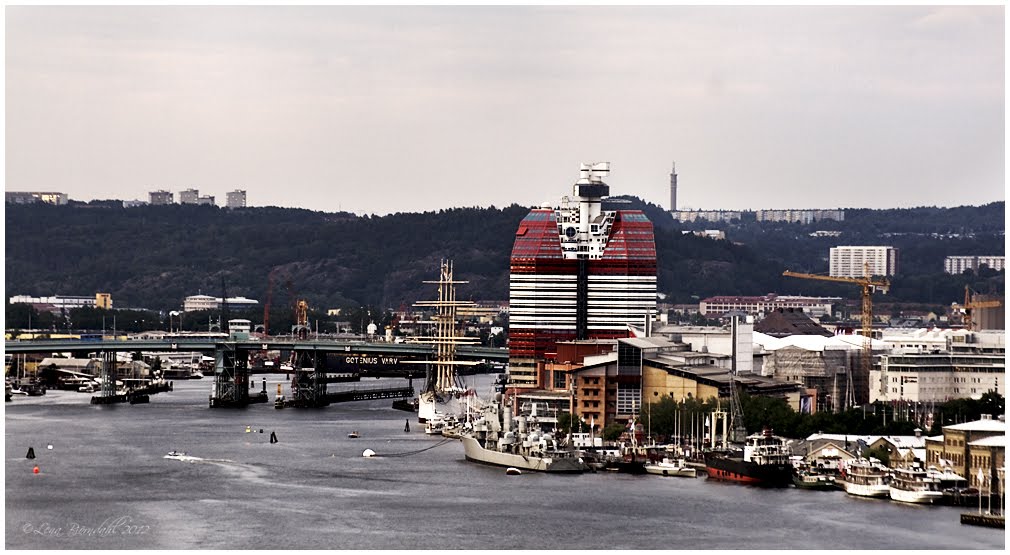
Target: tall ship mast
{"points": [[442, 385]]}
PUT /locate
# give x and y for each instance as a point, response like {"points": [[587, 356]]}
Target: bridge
{"points": [[315, 358]]}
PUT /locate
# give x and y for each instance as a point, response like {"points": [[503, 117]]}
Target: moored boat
{"points": [[808, 479], [494, 440], [914, 485], [668, 467], [764, 461], [866, 478]]}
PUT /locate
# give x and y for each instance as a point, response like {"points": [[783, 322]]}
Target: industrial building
{"points": [[577, 272], [849, 261]]}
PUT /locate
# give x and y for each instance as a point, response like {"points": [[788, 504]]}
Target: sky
{"points": [[405, 109]]}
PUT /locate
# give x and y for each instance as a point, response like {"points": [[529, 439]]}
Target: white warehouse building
{"points": [[206, 302]]}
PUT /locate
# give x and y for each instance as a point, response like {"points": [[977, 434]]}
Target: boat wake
{"points": [[183, 457]]}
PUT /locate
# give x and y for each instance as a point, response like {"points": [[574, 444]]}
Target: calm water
{"points": [[106, 485]]}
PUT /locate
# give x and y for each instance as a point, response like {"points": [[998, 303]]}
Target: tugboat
{"points": [[521, 444]]}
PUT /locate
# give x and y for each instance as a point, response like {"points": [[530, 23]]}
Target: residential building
{"points": [[958, 264], [161, 197], [717, 234], [207, 302], [189, 196], [706, 215], [759, 306], [848, 261], [134, 203], [207, 200], [577, 272], [235, 199], [28, 197], [802, 216], [969, 447], [968, 365]]}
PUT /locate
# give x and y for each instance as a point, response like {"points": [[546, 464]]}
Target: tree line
{"points": [[152, 257]]}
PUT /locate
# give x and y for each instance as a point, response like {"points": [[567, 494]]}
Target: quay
{"points": [[979, 519]]}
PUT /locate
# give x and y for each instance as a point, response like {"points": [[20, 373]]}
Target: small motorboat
{"points": [[353, 435], [513, 471]]}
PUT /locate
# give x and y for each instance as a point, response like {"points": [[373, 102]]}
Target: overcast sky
{"points": [[392, 109]]}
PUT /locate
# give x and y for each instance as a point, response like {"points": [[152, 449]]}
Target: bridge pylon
{"points": [[231, 377]]}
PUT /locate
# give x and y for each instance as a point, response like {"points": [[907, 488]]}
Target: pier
{"points": [[980, 519]]}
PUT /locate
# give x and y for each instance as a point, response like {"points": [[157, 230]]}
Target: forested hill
{"points": [[154, 256]]}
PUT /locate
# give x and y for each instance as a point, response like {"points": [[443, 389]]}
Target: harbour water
{"points": [[105, 484]]}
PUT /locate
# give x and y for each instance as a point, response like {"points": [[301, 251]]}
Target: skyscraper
{"points": [[577, 272], [673, 188]]}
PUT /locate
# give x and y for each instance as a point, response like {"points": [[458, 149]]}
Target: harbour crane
{"points": [[970, 303], [869, 286]]}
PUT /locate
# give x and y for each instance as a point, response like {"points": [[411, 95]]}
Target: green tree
{"points": [[613, 431]]}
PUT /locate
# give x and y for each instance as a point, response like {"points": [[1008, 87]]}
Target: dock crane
{"points": [[869, 286], [970, 303]]}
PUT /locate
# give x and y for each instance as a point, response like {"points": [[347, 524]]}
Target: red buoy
{"points": [[35, 470]]}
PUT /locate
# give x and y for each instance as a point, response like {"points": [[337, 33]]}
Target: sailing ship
{"points": [[443, 388]]}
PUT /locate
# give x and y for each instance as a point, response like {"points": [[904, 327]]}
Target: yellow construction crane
{"points": [[869, 286], [970, 303]]}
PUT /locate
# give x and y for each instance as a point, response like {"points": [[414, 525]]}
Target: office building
{"points": [[577, 272]]}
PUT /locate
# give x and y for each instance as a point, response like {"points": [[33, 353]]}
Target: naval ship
{"points": [[501, 440]]}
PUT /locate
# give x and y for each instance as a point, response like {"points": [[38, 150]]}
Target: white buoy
{"points": [[50, 446], [368, 453], [512, 471]]}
